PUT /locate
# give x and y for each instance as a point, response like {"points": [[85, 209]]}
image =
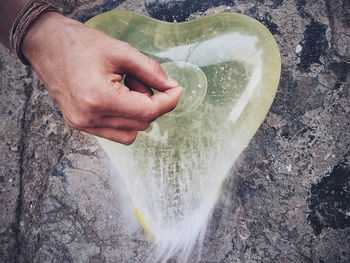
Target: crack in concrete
{"points": [[22, 143]]}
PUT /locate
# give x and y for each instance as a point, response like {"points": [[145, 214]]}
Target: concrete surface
{"points": [[286, 200]]}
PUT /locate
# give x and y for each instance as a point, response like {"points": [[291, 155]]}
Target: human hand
{"points": [[82, 69]]}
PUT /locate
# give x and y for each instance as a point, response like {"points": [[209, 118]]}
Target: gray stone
{"points": [[14, 86], [339, 13], [64, 6], [287, 199]]}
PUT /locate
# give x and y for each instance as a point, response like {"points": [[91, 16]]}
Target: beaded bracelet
{"points": [[28, 14]]}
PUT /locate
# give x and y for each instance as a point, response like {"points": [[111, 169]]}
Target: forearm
{"points": [[8, 12]]}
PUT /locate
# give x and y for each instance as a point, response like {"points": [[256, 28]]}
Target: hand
{"points": [[82, 69]]}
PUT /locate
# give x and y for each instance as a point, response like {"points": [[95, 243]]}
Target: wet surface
{"points": [[286, 199]]}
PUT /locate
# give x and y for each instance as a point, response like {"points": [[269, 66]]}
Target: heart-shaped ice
{"points": [[229, 65]]}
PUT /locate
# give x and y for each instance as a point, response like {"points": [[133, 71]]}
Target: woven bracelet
{"points": [[25, 18]]}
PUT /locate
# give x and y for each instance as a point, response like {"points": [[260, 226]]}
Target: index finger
{"points": [[138, 106]]}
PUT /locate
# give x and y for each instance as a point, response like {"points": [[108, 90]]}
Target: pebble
{"points": [[14, 149], [298, 49]]}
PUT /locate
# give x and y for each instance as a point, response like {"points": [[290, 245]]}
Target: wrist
{"points": [[26, 17], [40, 33]]}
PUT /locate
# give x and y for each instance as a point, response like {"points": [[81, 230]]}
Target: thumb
{"points": [[146, 70]]}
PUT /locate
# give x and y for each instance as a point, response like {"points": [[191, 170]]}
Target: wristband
{"points": [[25, 18]]}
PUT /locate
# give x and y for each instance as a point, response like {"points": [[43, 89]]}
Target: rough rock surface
{"points": [[286, 200]]}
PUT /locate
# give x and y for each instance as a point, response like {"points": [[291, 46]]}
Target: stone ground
{"points": [[286, 200]]}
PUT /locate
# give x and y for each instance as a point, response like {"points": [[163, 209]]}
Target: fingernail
{"points": [[172, 82]]}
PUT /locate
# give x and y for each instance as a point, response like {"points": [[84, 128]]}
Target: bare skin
{"points": [[82, 69]]}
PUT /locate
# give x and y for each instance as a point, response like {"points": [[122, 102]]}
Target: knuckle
{"points": [[129, 139], [91, 102], [143, 126], [150, 115], [156, 66], [172, 105]]}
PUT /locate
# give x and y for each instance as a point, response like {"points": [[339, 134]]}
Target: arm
{"points": [[8, 12], [82, 69]]}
